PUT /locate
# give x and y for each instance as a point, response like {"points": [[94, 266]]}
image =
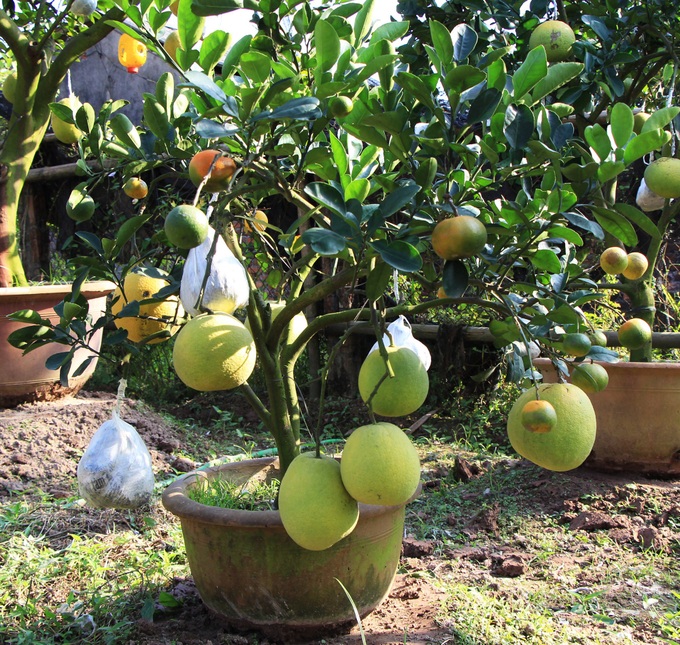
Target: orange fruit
{"points": [[260, 224], [577, 344], [538, 416], [153, 317], [637, 266], [131, 53], [571, 439], [135, 188], [340, 106], [614, 260], [222, 170], [590, 377], [634, 333], [459, 237], [186, 226]]}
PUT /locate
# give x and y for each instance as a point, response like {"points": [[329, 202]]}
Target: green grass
{"points": [[226, 494]]}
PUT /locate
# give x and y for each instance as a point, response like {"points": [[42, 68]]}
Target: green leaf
{"points": [[546, 260], [324, 242], [638, 218], [85, 117], [610, 169], [558, 75], [56, 361], [256, 66], [128, 228], [327, 45], [390, 31], [155, 117], [464, 40], [363, 21], [462, 78], [617, 225], [415, 86], [598, 140], [484, 105], [441, 39], [564, 233], [377, 281], [206, 84], [339, 154], [165, 91], [518, 126], [189, 25], [303, 108], [530, 72], [621, 123], [399, 254], [455, 278], [234, 55], [358, 189], [213, 48], [28, 316], [217, 7], [328, 196], [397, 199], [660, 119], [125, 131], [392, 122], [645, 143]]}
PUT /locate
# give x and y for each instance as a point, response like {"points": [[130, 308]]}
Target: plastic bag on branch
{"points": [[115, 469], [648, 200], [402, 336], [227, 286]]}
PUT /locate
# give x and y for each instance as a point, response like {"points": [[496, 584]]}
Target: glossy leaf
{"points": [[645, 143], [464, 41], [328, 196], [616, 225], [455, 278], [518, 126], [206, 84], [441, 39], [378, 280], [234, 54], [327, 45], [484, 105], [621, 123], [125, 131], [530, 72], [213, 49], [637, 217], [598, 140], [324, 242], [399, 254], [398, 198], [558, 74], [546, 260]]}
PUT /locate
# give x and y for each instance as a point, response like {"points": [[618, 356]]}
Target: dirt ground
{"points": [[42, 443]]}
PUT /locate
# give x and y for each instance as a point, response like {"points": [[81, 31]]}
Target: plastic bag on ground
{"points": [[115, 469], [402, 336], [227, 287]]}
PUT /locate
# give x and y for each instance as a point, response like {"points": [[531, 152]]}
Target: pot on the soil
{"points": [[25, 378], [638, 418], [249, 572]]}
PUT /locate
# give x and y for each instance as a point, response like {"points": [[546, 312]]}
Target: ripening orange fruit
{"points": [[220, 175]]}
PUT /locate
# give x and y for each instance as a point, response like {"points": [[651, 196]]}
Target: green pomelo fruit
{"points": [[186, 226], [571, 439], [380, 465], [556, 36], [590, 377], [662, 177], [315, 508], [399, 395]]}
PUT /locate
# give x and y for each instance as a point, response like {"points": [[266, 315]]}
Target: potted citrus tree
{"points": [[438, 161]]}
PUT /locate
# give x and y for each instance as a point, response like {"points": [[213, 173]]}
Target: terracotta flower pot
{"points": [[254, 576], [638, 418], [25, 378]]}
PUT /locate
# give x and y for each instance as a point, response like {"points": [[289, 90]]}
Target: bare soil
{"points": [[42, 444]]}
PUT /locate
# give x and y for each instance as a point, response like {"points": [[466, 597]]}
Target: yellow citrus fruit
{"points": [[295, 327], [222, 170], [637, 266], [556, 36], [153, 317], [571, 439], [135, 188], [186, 226], [459, 237], [316, 510], [538, 416], [172, 44], [341, 106], [597, 338], [380, 465], [590, 377], [614, 260], [401, 394], [66, 132], [9, 87], [576, 344], [639, 119], [441, 293], [634, 333], [662, 177], [260, 223], [214, 352], [131, 53]]}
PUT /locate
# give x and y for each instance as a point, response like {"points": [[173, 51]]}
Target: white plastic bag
{"points": [[402, 336], [227, 287], [647, 200], [115, 469]]}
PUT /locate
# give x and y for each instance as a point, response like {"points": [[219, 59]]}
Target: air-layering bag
{"points": [[402, 336], [115, 469], [227, 286]]}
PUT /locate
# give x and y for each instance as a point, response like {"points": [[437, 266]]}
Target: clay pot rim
{"points": [[176, 501]]}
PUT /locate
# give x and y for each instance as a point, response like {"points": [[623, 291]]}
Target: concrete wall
{"points": [[99, 77]]}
